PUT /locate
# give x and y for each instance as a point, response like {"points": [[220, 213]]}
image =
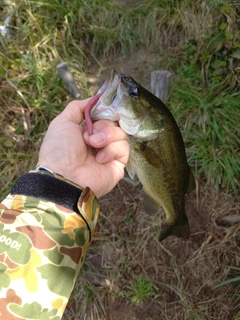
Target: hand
{"points": [[96, 161]]}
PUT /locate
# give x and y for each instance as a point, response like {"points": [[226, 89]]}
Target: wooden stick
{"points": [[68, 80], [159, 83]]}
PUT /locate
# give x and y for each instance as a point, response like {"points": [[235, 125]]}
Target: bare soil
{"points": [[185, 272]]}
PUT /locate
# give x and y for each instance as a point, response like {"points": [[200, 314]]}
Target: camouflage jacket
{"points": [[46, 225]]}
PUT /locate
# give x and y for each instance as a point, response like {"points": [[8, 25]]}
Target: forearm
{"points": [[46, 225]]}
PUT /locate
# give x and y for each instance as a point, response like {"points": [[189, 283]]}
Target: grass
{"points": [[198, 41], [209, 122], [234, 279], [86, 301]]}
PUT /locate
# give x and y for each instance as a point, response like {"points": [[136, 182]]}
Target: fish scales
{"points": [[157, 151], [170, 174]]}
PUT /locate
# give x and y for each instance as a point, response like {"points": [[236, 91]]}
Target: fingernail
{"points": [[98, 137], [100, 157], [86, 136]]}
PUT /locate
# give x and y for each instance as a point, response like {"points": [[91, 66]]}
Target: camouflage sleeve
{"points": [[46, 225]]}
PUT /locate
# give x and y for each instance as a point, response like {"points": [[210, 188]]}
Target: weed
{"points": [[140, 289], [188, 67]]}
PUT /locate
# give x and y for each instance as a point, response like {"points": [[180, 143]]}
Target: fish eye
{"points": [[134, 92]]}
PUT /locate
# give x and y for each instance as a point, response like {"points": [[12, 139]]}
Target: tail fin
{"points": [[178, 229]]}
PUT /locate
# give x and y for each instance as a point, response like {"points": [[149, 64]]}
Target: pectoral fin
{"points": [[131, 170], [149, 154]]}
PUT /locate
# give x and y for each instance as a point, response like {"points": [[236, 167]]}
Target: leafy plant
{"points": [[187, 65], [140, 289], [221, 59]]}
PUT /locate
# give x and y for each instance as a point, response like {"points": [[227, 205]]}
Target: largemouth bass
{"points": [[157, 152]]}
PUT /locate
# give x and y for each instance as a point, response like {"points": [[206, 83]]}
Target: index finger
{"points": [[105, 132]]}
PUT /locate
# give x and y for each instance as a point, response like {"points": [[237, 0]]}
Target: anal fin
{"points": [[150, 206]]}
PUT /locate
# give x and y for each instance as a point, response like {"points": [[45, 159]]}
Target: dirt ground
{"points": [[184, 273], [138, 65]]}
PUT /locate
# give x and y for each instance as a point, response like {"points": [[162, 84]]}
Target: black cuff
{"points": [[47, 187]]}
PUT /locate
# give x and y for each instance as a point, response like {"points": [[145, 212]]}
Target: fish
{"points": [[157, 151]]}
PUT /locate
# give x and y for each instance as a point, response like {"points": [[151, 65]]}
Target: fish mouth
{"points": [[107, 105]]}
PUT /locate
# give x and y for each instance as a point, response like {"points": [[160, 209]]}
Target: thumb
{"points": [[74, 111]]}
